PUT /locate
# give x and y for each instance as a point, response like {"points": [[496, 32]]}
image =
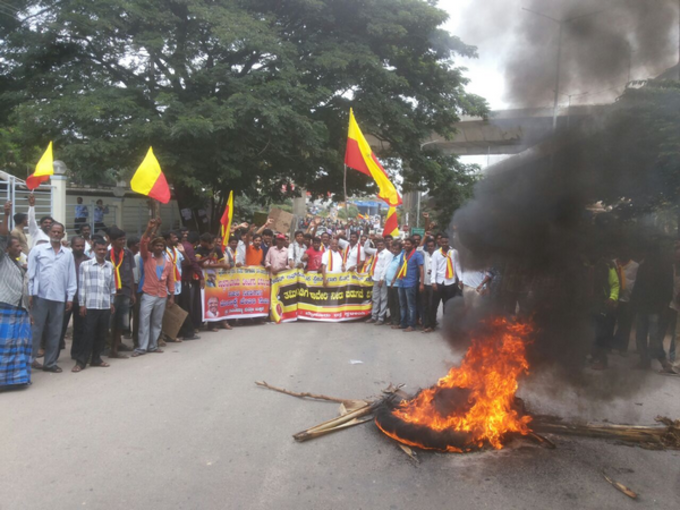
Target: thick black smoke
{"points": [[604, 40]]}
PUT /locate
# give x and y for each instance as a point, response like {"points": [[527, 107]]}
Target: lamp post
{"points": [[569, 104], [560, 23], [418, 192]]}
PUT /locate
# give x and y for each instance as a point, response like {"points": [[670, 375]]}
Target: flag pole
{"points": [[345, 188]]}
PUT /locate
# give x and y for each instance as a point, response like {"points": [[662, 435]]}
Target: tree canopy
{"points": [[247, 95], [637, 151]]}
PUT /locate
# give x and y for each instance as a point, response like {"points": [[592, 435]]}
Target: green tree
{"points": [[236, 94], [638, 150]]}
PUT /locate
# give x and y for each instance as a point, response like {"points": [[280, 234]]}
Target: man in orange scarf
{"points": [[123, 275]]}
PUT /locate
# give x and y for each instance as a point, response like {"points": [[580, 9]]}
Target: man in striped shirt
{"points": [[96, 291]]}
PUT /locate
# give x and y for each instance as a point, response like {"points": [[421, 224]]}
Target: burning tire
{"points": [[474, 405]]}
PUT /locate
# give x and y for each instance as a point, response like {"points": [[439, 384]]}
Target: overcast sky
{"points": [[486, 72]]}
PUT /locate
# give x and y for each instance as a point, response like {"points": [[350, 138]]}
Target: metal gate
{"points": [[14, 189]]}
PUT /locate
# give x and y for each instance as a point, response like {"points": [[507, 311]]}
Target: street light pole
{"points": [[418, 197], [560, 23], [557, 76]]}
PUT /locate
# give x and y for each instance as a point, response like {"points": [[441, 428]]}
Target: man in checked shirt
{"points": [[96, 290]]}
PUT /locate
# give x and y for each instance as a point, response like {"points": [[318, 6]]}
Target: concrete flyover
{"points": [[506, 131]]}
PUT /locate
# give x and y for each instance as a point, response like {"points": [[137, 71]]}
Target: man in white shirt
{"points": [[175, 257], [376, 268], [445, 270], [475, 287], [352, 253], [428, 296], [39, 234], [296, 250], [331, 261]]}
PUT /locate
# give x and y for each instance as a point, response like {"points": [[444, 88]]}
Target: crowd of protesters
{"points": [[114, 288]]}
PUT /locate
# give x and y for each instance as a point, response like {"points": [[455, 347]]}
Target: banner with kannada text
{"points": [[299, 295], [238, 293]]}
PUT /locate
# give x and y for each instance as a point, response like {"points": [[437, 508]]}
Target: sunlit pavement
{"points": [[189, 429]]}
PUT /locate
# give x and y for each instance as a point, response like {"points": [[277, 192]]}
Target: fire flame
{"points": [[489, 372]]}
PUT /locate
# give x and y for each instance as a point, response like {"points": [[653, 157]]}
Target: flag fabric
{"points": [[227, 218], [391, 223], [149, 179], [43, 170], [359, 156]]}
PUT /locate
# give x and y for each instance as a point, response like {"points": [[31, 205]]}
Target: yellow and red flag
{"points": [[391, 223], [149, 179], [227, 218], [359, 156], [43, 170]]}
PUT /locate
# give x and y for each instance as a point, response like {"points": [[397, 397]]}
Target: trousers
{"points": [[444, 293], [135, 319], [379, 302], [151, 312], [78, 327], [93, 341], [669, 324], [624, 324], [184, 300], [648, 337], [393, 303], [430, 306], [48, 318], [408, 302]]}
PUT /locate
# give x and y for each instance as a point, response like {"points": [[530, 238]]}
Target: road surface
{"points": [[189, 429]]}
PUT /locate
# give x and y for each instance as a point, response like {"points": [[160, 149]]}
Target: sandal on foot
{"points": [[157, 351], [101, 364], [138, 353], [53, 369], [77, 369], [117, 355]]}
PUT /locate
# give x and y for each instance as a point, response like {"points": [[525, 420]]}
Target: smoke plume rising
{"points": [[604, 40]]}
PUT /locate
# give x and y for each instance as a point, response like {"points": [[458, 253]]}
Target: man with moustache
{"points": [[78, 250], [51, 286], [96, 289], [331, 261], [446, 271]]}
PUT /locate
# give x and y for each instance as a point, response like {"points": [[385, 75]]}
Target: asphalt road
{"points": [[189, 429]]}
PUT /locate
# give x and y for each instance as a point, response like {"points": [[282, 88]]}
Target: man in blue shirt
{"points": [[81, 215], [51, 286], [99, 211], [410, 276]]}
